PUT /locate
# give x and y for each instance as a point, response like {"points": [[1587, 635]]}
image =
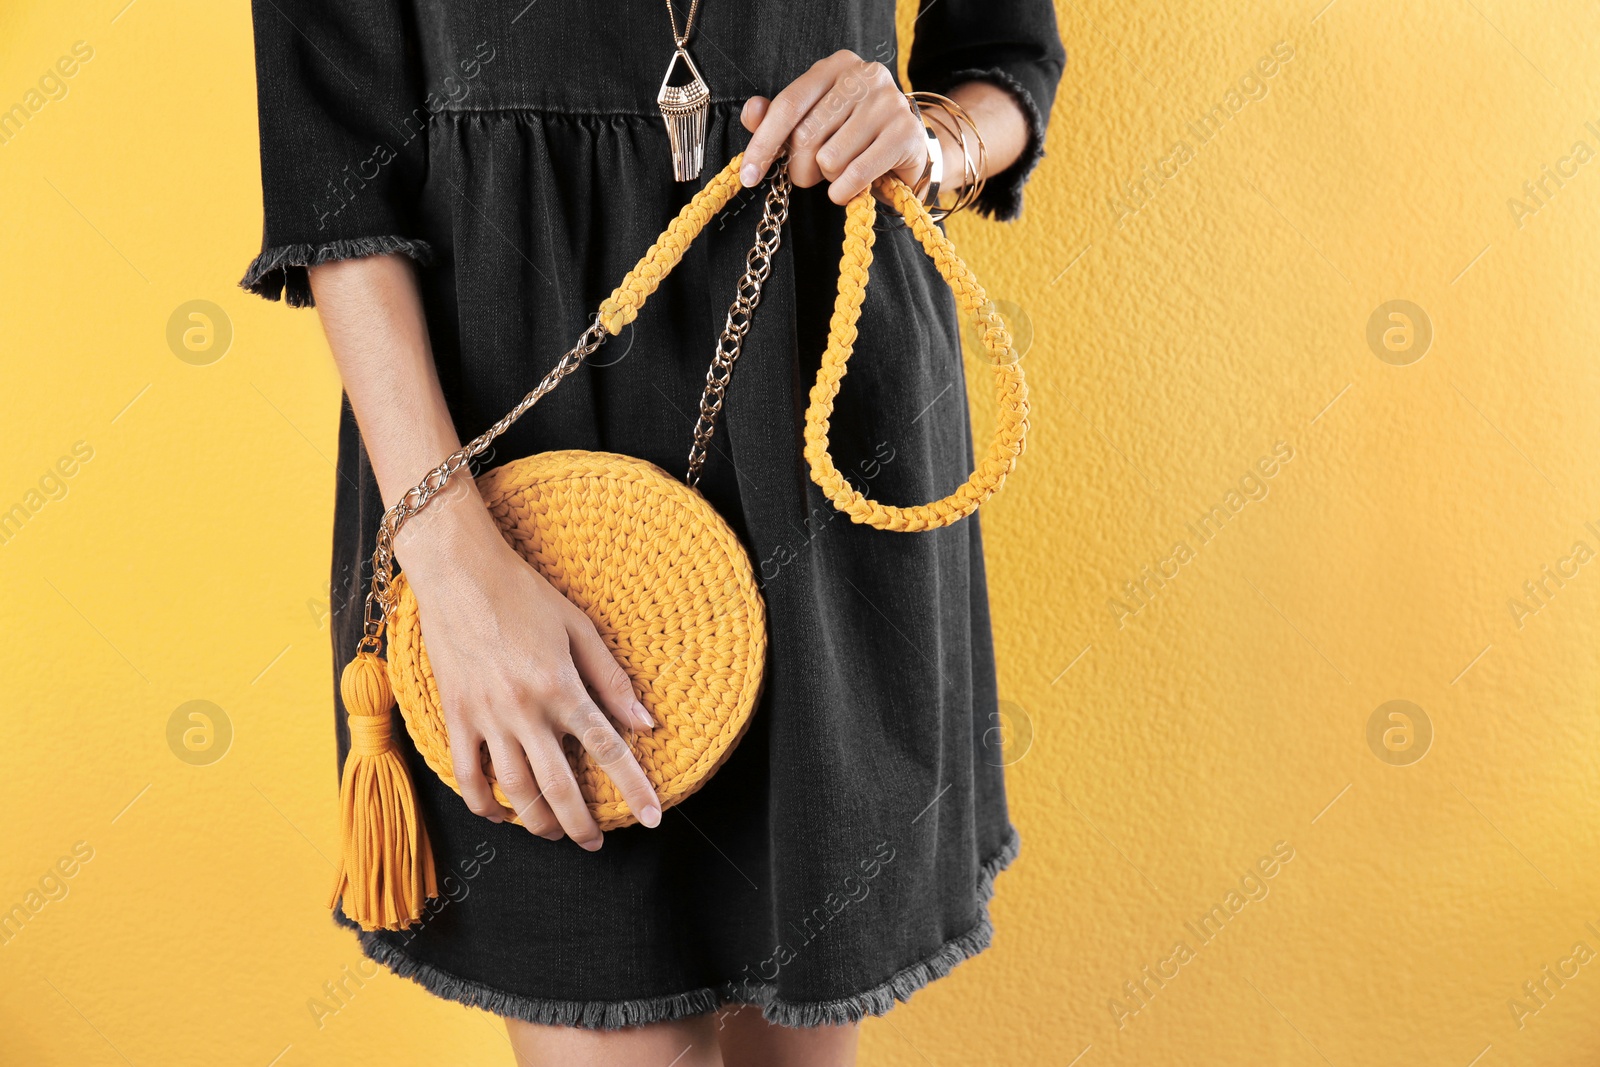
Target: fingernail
{"points": [[593, 846], [496, 818], [552, 835], [749, 175], [650, 815], [642, 713]]}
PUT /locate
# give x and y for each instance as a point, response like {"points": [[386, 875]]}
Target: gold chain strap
{"points": [[758, 265]]}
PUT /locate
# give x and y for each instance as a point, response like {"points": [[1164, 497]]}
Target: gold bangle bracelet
{"points": [[978, 170], [927, 186], [954, 118], [966, 192]]}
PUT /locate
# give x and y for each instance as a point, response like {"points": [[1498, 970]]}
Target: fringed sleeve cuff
{"points": [[1001, 198], [282, 273], [1016, 46]]}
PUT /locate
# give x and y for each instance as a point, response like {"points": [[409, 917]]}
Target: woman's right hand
{"points": [[519, 667], [511, 655]]}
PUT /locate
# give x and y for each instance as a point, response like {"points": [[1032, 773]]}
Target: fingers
{"points": [[882, 156], [541, 821], [785, 112], [821, 126], [879, 137], [518, 782], [854, 136], [523, 723], [605, 676], [561, 790], [612, 754], [466, 757], [845, 121], [754, 110], [849, 117]]}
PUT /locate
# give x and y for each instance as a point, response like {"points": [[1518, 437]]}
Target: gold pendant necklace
{"points": [[684, 107]]}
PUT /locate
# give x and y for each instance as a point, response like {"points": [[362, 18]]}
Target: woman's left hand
{"points": [[845, 121]]}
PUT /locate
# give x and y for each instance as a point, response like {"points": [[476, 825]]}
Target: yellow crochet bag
{"points": [[669, 586]]}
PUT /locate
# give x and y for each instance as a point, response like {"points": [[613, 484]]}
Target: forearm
{"points": [[371, 311], [518, 666], [1000, 121]]}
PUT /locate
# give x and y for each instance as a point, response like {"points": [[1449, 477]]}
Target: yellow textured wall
{"points": [[1199, 301]]}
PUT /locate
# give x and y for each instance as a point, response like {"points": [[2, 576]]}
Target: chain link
{"points": [[688, 24], [758, 265]]}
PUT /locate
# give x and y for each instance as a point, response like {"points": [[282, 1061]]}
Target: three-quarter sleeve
{"points": [[343, 138], [1015, 45]]}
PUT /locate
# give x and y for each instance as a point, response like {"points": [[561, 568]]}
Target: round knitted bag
{"points": [[668, 584]]}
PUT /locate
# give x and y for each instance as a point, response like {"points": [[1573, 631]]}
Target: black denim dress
{"points": [[844, 855]]}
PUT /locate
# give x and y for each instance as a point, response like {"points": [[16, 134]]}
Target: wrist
{"points": [[454, 526], [954, 178], [998, 118], [961, 146]]}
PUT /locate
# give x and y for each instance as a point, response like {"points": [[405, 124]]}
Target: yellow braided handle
{"points": [[1012, 392], [623, 305]]}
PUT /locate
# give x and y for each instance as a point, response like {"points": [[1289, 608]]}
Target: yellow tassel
{"points": [[386, 869]]}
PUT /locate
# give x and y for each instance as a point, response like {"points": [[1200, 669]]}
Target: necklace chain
{"points": [[688, 24]]}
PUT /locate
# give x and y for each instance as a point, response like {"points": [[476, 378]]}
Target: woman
{"points": [[457, 186]]}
